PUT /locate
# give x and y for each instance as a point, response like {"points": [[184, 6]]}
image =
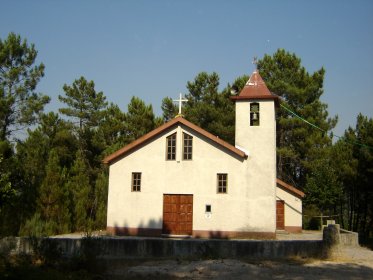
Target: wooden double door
{"points": [[178, 214]]}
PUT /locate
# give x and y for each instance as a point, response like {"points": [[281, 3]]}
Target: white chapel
{"points": [[180, 180]]}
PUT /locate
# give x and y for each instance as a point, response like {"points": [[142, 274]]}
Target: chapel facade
{"points": [[180, 180]]}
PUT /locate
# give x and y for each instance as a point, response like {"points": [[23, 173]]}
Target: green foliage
{"points": [[85, 105], [322, 187], [100, 199], [52, 136], [6, 190], [311, 218], [298, 145], [140, 119], [356, 176], [36, 226], [208, 108], [46, 263], [169, 109], [19, 103], [53, 196], [20, 107], [54, 180], [111, 134], [86, 108], [80, 187]]}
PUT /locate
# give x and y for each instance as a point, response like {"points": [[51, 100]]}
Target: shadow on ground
{"points": [[238, 269]]}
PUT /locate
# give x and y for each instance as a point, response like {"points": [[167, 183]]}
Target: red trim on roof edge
{"points": [[290, 188], [178, 120]]}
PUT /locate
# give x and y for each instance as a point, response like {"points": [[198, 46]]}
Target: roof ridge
{"points": [[179, 119]]}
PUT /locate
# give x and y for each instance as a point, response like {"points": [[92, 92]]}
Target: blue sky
{"points": [[150, 49]]}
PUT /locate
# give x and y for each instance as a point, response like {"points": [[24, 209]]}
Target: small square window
{"points": [[222, 183], [208, 208]]}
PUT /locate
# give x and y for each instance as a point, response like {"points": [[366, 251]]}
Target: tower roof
{"points": [[255, 88]]}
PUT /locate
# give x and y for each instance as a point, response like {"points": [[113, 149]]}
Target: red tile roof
{"points": [[255, 88], [290, 188], [178, 120]]}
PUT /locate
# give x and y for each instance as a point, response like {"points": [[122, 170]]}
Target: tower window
{"points": [[254, 114]]}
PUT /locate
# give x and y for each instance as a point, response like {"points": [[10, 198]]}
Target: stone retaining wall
{"points": [[125, 248], [105, 247], [349, 238]]}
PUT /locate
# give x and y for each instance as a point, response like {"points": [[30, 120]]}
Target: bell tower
{"points": [[255, 117], [256, 135]]}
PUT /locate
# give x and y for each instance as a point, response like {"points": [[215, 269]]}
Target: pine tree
{"points": [[111, 134], [85, 105], [169, 109], [53, 199], [363, 192], [298, 144], [33, 154], [100, 202], [6, 190], [79, 186], [20, 105], [140, 119], [209, 109], [323, 189]]}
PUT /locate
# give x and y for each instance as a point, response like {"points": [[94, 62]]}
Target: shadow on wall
{"points": [[156, 228], [152, 228], [211, 235]]}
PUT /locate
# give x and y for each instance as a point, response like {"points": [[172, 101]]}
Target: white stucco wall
{"points": [[248, 205], [293, 208], [260, 142]]}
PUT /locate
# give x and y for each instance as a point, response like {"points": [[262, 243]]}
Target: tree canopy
{"points": [[53, 181], [20, 104], [298, 144]]}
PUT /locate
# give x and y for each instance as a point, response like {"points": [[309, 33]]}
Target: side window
{"points": [[136, 181], [254, 114], [187, 146], [222, 183], [171, 147]]}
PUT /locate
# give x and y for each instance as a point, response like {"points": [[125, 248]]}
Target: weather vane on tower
{"points": [[255, 62]]}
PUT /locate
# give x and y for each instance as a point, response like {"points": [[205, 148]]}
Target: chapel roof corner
{"points": [[290, 188]]}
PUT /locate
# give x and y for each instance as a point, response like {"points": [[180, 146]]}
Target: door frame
{"points": [[173, 211]]}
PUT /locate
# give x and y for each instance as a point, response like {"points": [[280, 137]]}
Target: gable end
{"points": [[179, 120]]}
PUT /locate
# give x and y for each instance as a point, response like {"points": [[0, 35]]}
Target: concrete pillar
{"points": [[331, 239]]}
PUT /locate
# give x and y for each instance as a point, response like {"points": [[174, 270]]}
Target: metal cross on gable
{"points": [[180, 100]]}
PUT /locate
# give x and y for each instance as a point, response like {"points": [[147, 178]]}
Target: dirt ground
{"points": [[347, 263]]}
